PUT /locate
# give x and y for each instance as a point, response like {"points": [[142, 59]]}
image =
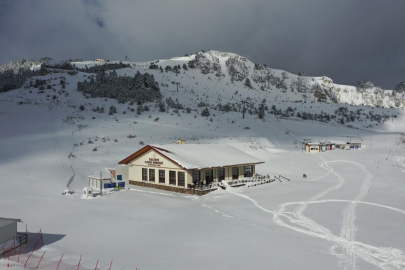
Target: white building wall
{"points": [[124, 171], [135, 170], [8, 232]]}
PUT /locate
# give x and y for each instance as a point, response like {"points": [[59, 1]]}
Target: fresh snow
{"points": [[347, 214]]}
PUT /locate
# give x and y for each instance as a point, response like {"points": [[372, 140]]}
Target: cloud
{"points": [[345, 40], [94, 11]]}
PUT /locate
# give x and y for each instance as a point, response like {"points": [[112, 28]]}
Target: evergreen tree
{"points": [[247, 83], [205, 112]]}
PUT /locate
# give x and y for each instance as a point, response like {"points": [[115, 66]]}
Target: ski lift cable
{"points": [[272, 122], [281, 128], [289, 130]]}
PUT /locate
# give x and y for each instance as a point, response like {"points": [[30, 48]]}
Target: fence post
{"points": [[19, 253], [79, 262], [11, 248], [40, 259], [110, 265], [60, 261], [96, 265], [28, 258]]}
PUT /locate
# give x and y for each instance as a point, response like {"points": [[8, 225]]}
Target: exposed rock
{"points": [[236, 68]]}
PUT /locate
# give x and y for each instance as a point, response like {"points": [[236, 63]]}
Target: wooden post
{"points": [[41, 259], [59, 262], [79, 262]]}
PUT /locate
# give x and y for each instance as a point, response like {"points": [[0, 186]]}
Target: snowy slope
{"points": [[348, 214]]}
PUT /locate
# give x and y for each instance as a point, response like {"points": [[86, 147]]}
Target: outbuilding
{"points": [[355, 145], [176, 167], [8, 229], [312, 147]]}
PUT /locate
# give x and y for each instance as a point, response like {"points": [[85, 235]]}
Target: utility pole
{"points": [[101, 183], [243, 101], [177, 86]]}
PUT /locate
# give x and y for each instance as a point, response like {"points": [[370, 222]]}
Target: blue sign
{"points": [[110, 185], [119, 177], [121, 184]]}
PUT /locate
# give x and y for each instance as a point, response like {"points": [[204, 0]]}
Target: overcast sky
{"points": [[346, 40]]}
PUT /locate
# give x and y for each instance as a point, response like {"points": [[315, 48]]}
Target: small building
{"points": [[8, 229], [312, 147], [97, 182], [343, 146], [175, 167], [100, 61], [355, 145]]}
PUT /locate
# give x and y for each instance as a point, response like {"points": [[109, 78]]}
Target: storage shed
{"points": [[8, 229]]}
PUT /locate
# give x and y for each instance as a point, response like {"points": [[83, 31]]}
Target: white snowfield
{"points": [[349, 213]]}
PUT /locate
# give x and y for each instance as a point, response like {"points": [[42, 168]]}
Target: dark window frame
{"points": [[221, 174], [207, 174], [172, 178], [144, 174], [162, 176], [195, 180], [248, 171], [235, 175], [181, 179], [152, 175]]}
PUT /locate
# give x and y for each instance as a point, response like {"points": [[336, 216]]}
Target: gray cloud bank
{"points": [[346, 40]]}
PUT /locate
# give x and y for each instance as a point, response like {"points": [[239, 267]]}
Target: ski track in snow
{"points": [[383, 257]]}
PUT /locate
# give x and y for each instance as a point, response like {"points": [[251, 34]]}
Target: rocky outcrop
{"points": [[206, 63], [237, 68]]}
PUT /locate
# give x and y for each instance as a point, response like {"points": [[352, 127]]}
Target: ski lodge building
{"points": [[177, 167]]}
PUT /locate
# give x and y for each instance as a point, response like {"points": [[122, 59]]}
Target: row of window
{"points": [[180, 179], [247, 172]]}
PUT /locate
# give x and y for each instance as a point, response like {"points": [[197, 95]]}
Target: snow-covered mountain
{"points": [[230, 72], [74, 119]]}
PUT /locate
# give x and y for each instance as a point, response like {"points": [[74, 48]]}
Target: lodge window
{"points": [[144, 174], [151, 175], [221, 174], [181, 176], [248, 171], [235, 173], [172, 177], [162, 179], [196, 177], [208, 176]]}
